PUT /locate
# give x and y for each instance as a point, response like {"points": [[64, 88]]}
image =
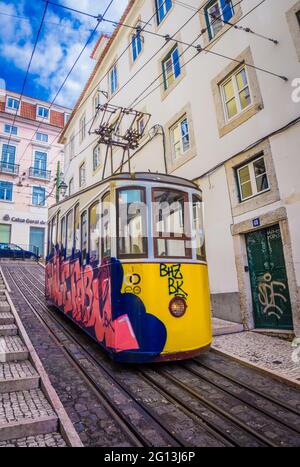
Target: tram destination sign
{"points": [[21, 220]]}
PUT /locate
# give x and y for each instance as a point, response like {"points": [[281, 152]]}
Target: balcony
{"points": [[8, 168], [39, 173]]}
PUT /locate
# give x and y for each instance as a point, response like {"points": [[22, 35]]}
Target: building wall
{"points": [[21, 213], [216, 147]]}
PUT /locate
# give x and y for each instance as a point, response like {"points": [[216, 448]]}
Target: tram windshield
{"points": [[171, 223], [132, 222]]}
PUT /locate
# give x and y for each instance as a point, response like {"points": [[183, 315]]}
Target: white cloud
{"points": [[63, 37]]}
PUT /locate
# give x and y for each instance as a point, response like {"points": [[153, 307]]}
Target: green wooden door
{"points": [[270, 293]]}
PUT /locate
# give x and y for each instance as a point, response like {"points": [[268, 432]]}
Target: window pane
{"points": [[246, 190], [262, 183], [94, 232], [241, 79], [259, 167], [171, 248], [231, 108], [70, 233], [215, 19], [171, 220], [132, 235], [245, 98], [105, 226], [84, 236], [169, 212], [53, 234], [198, 228], [244, 174], [77, 230], [63, 232], [260, 175], [228, 90]]}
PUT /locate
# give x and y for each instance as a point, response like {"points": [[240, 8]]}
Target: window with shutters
{"points": [[171, 67], [218, 13]]}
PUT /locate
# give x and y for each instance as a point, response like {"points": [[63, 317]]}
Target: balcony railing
{"points": [[39, 173], [8, 168]]}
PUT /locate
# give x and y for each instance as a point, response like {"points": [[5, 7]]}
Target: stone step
{"points": [[25, 413], [18, 376], [8, 330], [4, 306], [12, 348], [50, 440], [6, 318]]}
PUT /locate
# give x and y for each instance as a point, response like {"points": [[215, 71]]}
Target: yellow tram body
{"points": [[132, 273], [192, 331]]}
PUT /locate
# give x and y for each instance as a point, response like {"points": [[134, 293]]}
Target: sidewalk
{"points": [[30, 412], [268, 353]]}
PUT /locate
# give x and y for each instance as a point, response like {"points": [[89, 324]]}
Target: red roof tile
{"points": [[57, 118], [28, 110]]}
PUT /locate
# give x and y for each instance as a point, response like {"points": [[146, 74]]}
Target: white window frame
{"points": [[212, 33], [12, 109], [66, 117], [96, 102], [71, 185], [11, 127], [44, 108], [82, 128], [82, 180], [237, 92], [98, 149], [38, 204], [12, 193], [255, 192], [72, 146], [41, 140], [178, 125], [112, 92]]}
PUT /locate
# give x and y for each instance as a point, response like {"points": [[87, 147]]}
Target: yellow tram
{"points": [[126, 262]]}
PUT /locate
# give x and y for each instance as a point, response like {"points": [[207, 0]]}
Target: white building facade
{"points": [[225, 108], [29, 156]]}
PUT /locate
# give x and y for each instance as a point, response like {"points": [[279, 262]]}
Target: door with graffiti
{"points": [[270, 293]]}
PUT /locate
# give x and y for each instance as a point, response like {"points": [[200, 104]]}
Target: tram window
{"points": [[105, 227], [84, 236], [53, 234], [198, 233], [77, 229], [63, 233], [132, 223], [49, 237], [70, 233], [171, 224], [94, 233], [58, 237]]}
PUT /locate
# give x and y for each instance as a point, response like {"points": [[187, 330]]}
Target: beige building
{"points": [[223, 115]]}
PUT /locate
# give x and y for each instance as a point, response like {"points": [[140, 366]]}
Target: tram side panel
{"points": [[125, 307]]}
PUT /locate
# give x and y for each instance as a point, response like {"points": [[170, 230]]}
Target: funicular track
{"points": [[208, 401]]}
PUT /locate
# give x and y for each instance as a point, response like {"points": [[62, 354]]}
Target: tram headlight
{"points": [[177, 307]]}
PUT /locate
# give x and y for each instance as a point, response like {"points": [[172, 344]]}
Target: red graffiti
{"points": [[85, 294]]}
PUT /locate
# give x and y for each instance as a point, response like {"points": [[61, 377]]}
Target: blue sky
{"points": [[63, 35]]}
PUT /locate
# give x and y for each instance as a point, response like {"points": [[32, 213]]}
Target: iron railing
{"points": [[8, 168], [39, 173]]}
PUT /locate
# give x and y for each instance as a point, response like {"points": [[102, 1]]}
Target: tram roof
{"points": [[136, 177]]}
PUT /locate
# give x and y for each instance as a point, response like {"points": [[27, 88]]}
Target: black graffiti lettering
{"points": [[171, 271], [164, 270], [175, 287]]}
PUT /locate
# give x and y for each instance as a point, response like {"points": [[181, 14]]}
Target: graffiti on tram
{"points": [[175, 279], [91, 295]]}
